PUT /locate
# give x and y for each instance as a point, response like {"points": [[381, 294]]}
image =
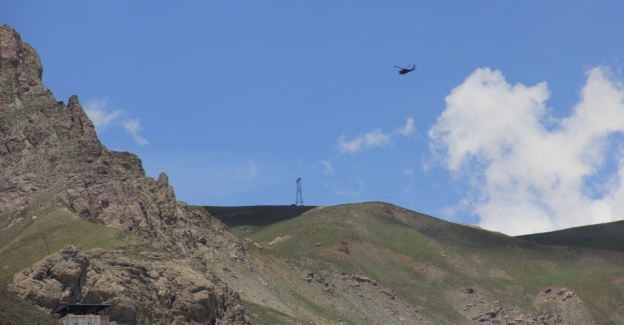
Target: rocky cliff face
{"points": [[169, 291], [49, 148], [46, 146]]}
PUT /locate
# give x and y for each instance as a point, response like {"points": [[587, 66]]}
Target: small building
{"points": [[81, 314]]}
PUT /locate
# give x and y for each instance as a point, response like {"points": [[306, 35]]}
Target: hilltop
{"points": [[378, 263]]}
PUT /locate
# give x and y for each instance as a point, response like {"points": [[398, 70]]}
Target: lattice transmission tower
{"points": [[299, 196]]}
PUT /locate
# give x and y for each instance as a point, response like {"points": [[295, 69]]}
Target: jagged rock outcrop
{"points": [[46, 146], [50, 149], [137, 284]]}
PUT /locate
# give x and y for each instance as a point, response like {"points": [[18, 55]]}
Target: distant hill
{"points": [[602, 236], [373, 263]]}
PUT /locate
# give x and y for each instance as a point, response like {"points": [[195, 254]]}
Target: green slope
{"points": [[29, 235], [423, 258]]}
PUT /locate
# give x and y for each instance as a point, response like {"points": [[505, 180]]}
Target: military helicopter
{"points": [[406, 70]]}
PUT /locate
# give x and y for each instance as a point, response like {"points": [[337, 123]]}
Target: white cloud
{"points": [[526, 177], [102, 117], [97, 111], [408, 129], [328, 169], [133, 127], [375, 138]]}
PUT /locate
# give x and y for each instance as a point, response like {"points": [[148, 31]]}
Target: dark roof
{"points": [[79, 309]]}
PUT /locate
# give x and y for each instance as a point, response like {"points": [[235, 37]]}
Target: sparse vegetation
{"points": [[262, 315], [419, 258], [30, 235], [15, 311], [424, 259]]}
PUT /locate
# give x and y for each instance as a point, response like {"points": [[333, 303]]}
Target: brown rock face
{"points": [[50, 149], [46, 146], [169, 291]]}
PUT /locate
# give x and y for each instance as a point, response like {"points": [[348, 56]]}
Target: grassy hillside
{"points": [[603, 236], [428, 261], [371, 263], [29, 235]]}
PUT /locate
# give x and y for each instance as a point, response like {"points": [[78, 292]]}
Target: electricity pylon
{"points": [[299, 196]]}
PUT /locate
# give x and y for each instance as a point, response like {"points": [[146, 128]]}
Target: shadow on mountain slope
{"points": [[601, 236]]}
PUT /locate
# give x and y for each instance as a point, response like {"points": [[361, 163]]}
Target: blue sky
{"points": [[509, 121]]}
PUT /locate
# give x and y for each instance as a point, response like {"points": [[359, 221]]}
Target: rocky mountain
{"points": [[50, 155], [170, 290], [48, 146]]}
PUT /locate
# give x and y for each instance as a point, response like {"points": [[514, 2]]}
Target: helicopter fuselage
{"points": [[406, 70]]}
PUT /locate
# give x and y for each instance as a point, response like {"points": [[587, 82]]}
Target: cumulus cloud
{"points": [[102, 117], [408, 129], [375, 138], [526, 175]]}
